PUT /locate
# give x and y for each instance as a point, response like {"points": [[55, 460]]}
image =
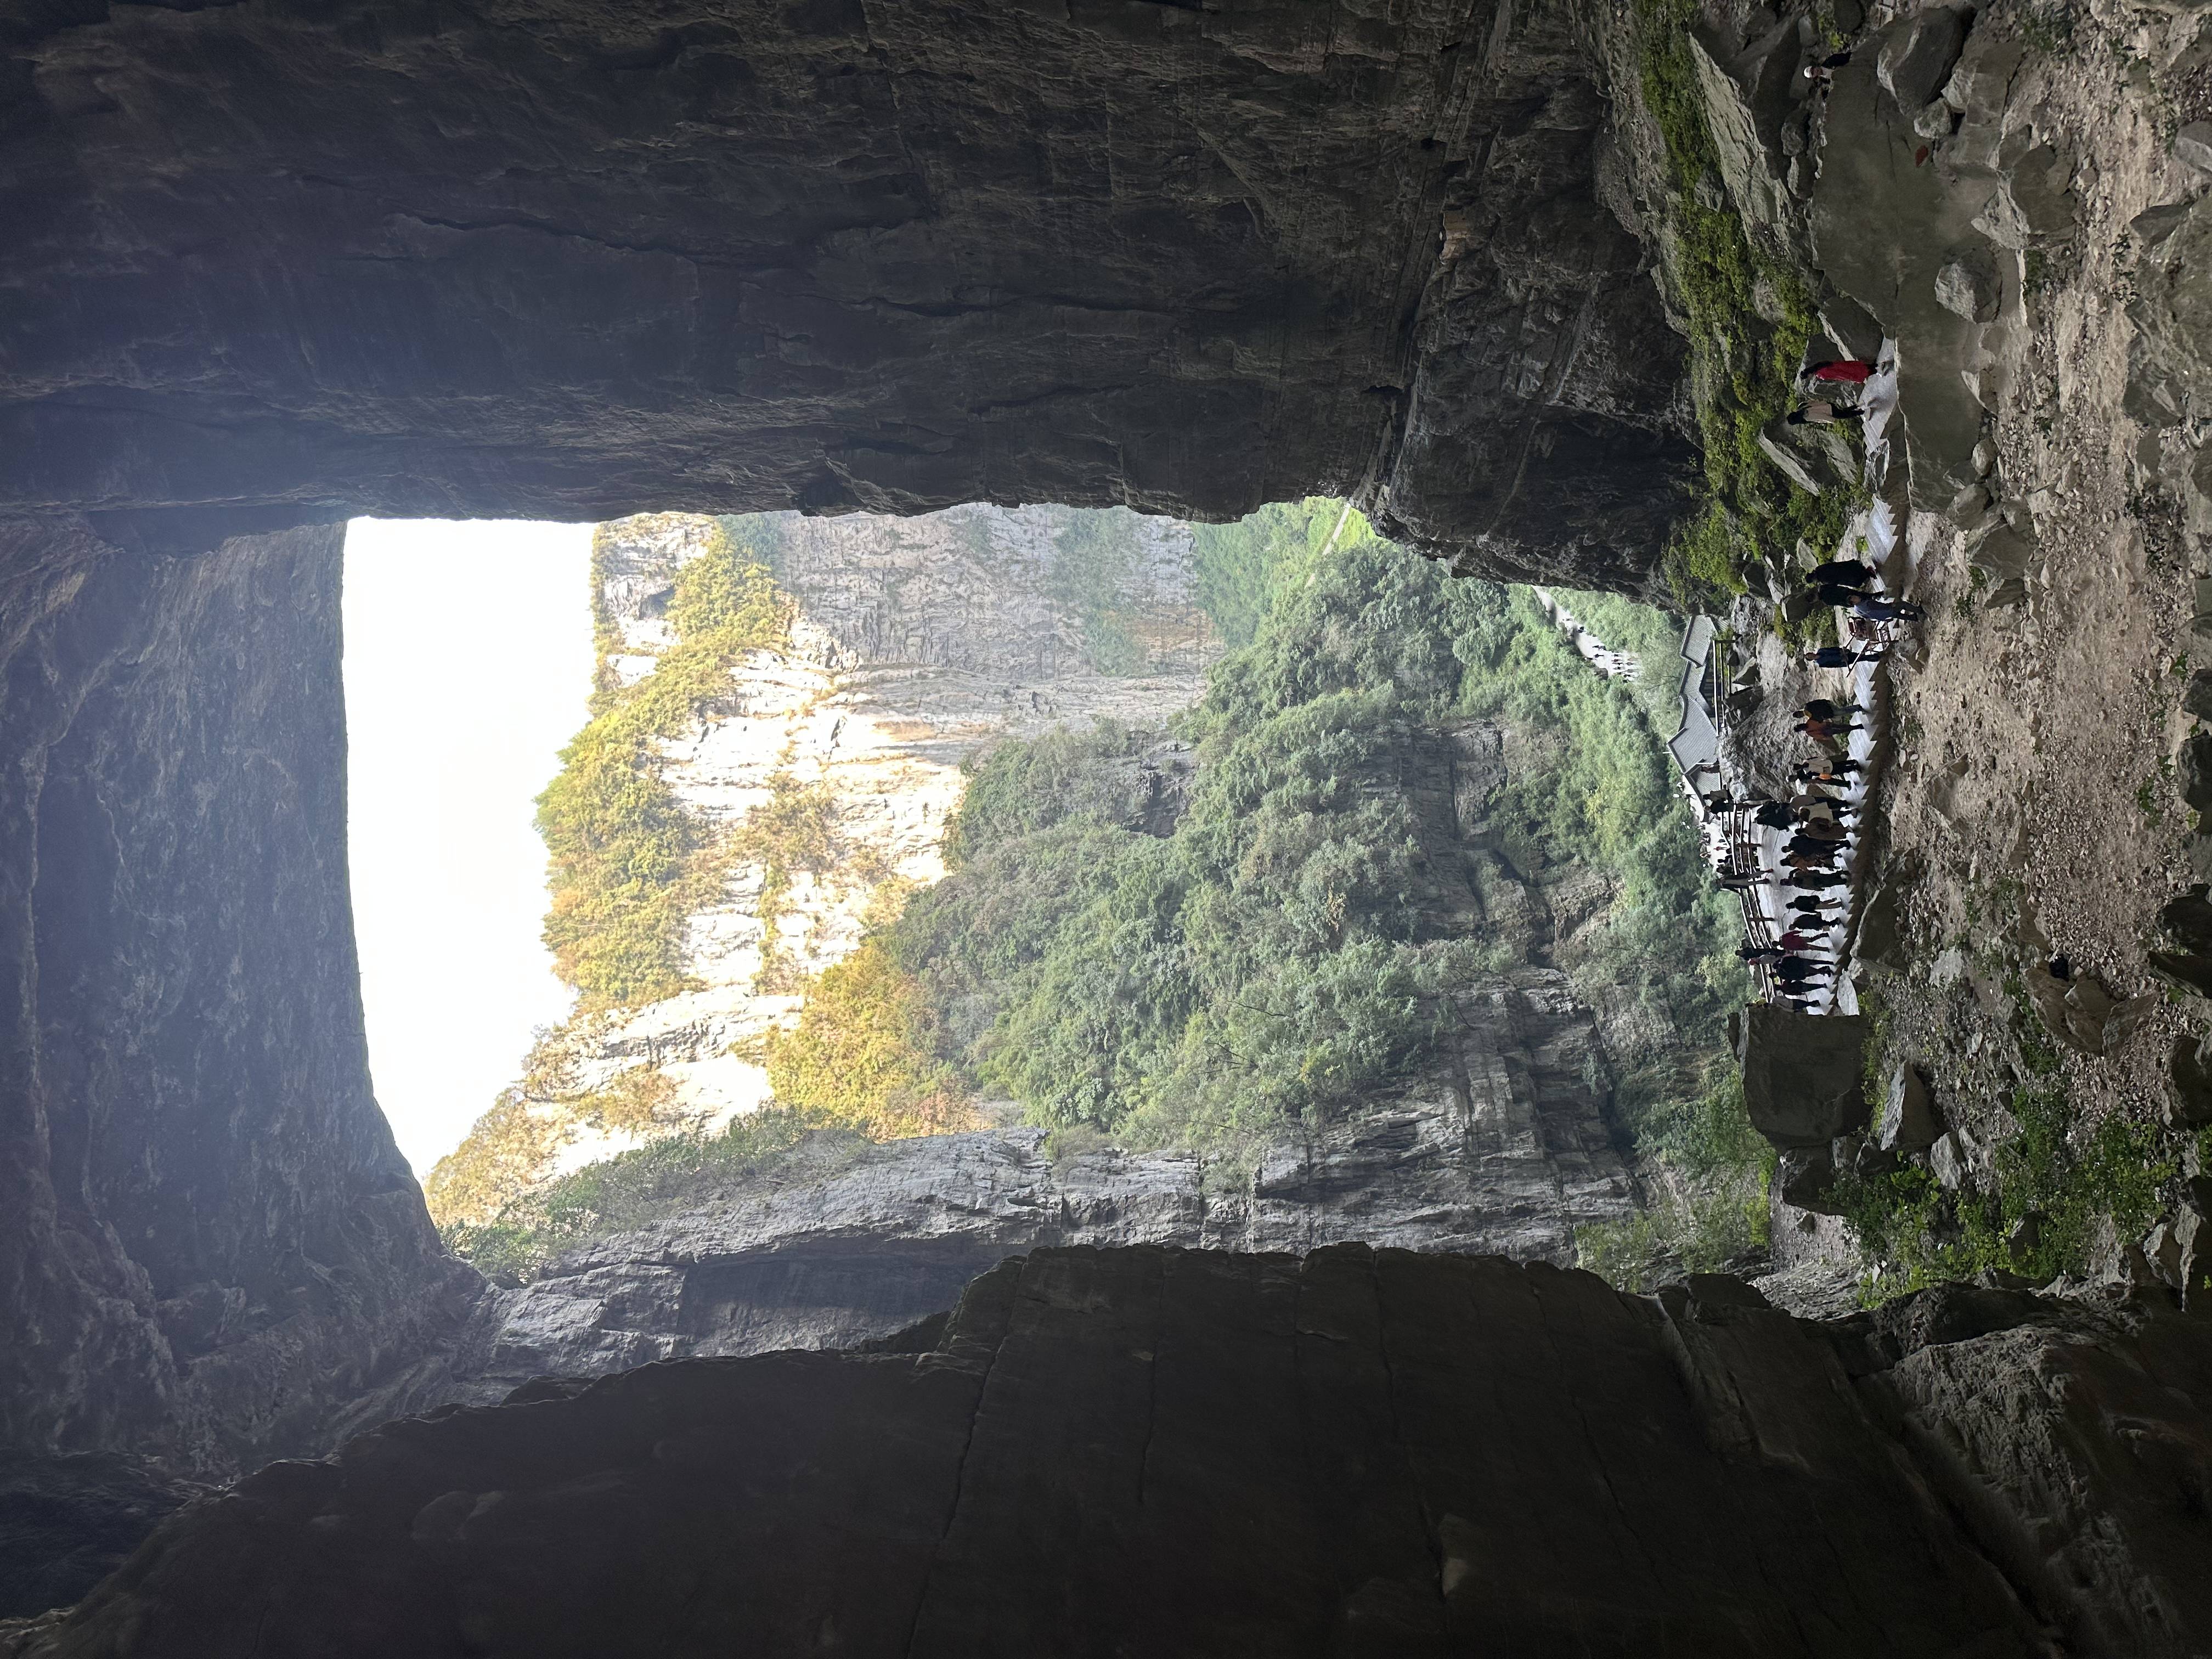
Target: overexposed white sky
{"points": [[468, 660]]}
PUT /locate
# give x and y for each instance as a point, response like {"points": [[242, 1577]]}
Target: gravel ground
{"points": [[2029, 808]]}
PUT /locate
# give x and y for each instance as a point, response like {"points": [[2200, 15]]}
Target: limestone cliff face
{"points": [[207, 1236], [271, 267], [916, 644], [1502, 1148], [1180, 1452]]}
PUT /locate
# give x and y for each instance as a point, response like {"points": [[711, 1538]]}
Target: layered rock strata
{"points": [[1169, 1452], [271, 267], [1503, 1149]]}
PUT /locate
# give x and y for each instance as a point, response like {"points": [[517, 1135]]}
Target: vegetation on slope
{"points": [[1237, 563], [863, 1055], [490, 1170], [1285, 953], [2065, 1189], [1279, 957], [629, 863], [1751, 315], [667, 1178]]}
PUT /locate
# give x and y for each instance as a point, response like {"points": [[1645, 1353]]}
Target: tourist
{"points": [[1847, 573], [1798, 970], [1835, 595], [1813, 881], [1775, 815], [1823, 72], [1822, 708], [1821, 412], [1838, 656], [1832, 774], [1797, 944], [1811, 854], [1840, 371], [1882, 610]]}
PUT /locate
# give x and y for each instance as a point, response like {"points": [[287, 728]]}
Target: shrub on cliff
{"points": [[629, 865], [863, 1055], [1278, 956]]}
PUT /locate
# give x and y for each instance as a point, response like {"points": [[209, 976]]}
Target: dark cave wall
{"points": [[206, 1233], [1355, 1453], [276, 262]]}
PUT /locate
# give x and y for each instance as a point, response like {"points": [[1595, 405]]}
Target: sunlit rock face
{"points": [[915, 645], [268, 266], [207, 1236]]}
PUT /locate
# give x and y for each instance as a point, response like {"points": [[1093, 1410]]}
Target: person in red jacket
{"points": [[1845, 371]]}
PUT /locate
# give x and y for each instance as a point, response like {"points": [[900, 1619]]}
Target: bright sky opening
{"points": [[468, 662]]}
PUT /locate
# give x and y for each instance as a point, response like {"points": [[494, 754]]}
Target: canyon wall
{"points": [[915, 644], [1503, 1147], [271, 266]]}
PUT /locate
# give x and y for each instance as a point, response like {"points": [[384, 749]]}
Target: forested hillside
{"points": [[1257, 918], [1280, 952]]}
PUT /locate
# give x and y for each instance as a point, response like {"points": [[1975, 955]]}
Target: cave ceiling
{"points": [[274, 263]]}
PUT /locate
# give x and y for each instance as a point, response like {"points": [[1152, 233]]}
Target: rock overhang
{"points": [[283, 266]]}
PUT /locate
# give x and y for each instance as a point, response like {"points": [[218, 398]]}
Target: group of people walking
{"points": [[1793, 910], [1796, 896]]}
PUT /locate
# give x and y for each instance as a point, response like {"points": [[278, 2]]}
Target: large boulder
{"points": [[2189, 1086], [2186, 918], [1805, 1177], [2082, 1011], [1908, 1120], [2195, 770], [1802, 1074], [68, 1521], [1160, 1452], [1917, 55]]}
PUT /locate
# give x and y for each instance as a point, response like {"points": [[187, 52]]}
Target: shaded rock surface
{"points": [[1503, 1149], [1421, 1454], [271, 267], [207, 1236], [208, 1240], [1801, 1082], [66, 1522]]}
